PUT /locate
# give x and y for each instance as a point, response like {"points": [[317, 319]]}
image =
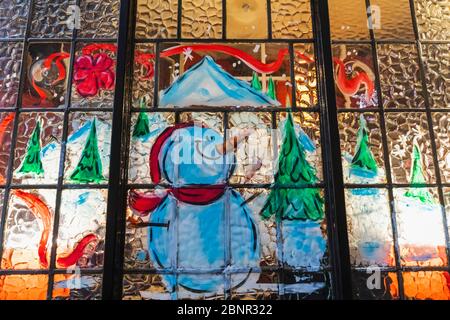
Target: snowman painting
{"points": [[192, 214], [199, 230]]}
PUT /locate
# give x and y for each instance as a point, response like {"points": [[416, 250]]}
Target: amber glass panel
{"points": [[24, 287], [246, 19], [392, 19], [348, 19], [156, 18], [291, 19], [202, 19]]}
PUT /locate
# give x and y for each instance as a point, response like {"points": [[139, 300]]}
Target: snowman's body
{"points": [[200, 240], [196, 240]]}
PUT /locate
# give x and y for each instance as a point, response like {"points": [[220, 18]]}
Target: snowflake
{"points": [[187, 54], [398, 152], [403, 141], [419, 133]]}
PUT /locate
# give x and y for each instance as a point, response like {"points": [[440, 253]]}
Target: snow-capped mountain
{"points": [[207, 84]]}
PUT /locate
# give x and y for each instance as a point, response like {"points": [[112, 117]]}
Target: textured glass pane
{"points": [[433, 19], [254, 75], [425, 285], [28, 231], [441, 125], [291, 19], [146, 127], [6, 125], [305, 76], [254, 156], [387, 289], [146, 287], [213, 120], [88, 148], [369, 227], [24, 287], [404, 131], [10, 62], [77, 287], [99, 19], [47, 67], [418, 209], [354, 76], [82, 224], [51, 19], [246, 19], [143, 76], [202, 19], [437, 74], [13, 18], [38, 148], [400, 76], [262, 286], [348, 19], [361, 148], [392, 19], [156, 18], [94, 73]]}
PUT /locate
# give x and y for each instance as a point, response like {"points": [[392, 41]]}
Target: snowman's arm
{"points": [[142, 203]]}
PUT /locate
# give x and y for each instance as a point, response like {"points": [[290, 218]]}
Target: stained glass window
{"points": [[226, 223], [393, 158], [56, 95], [168, 149]]}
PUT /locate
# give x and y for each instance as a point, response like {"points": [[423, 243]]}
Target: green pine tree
{"points": [[256, 84], [417, 178], [363, 162], [293, 170], [141, 127], [32, 162], [89, 168], [271, 92]]}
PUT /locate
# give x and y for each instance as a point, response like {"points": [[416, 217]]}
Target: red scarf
{"points": [[144, 203]]}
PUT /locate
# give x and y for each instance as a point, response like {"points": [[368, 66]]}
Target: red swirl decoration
{"points": [[351, 86], [42, 213], [145, 59], [94, 70]]}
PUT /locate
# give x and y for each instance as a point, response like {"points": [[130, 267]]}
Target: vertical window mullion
{"points": [[115, 222], [338, 237]]}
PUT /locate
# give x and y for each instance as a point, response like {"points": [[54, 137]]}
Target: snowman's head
{"points": [[192, 155]]}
